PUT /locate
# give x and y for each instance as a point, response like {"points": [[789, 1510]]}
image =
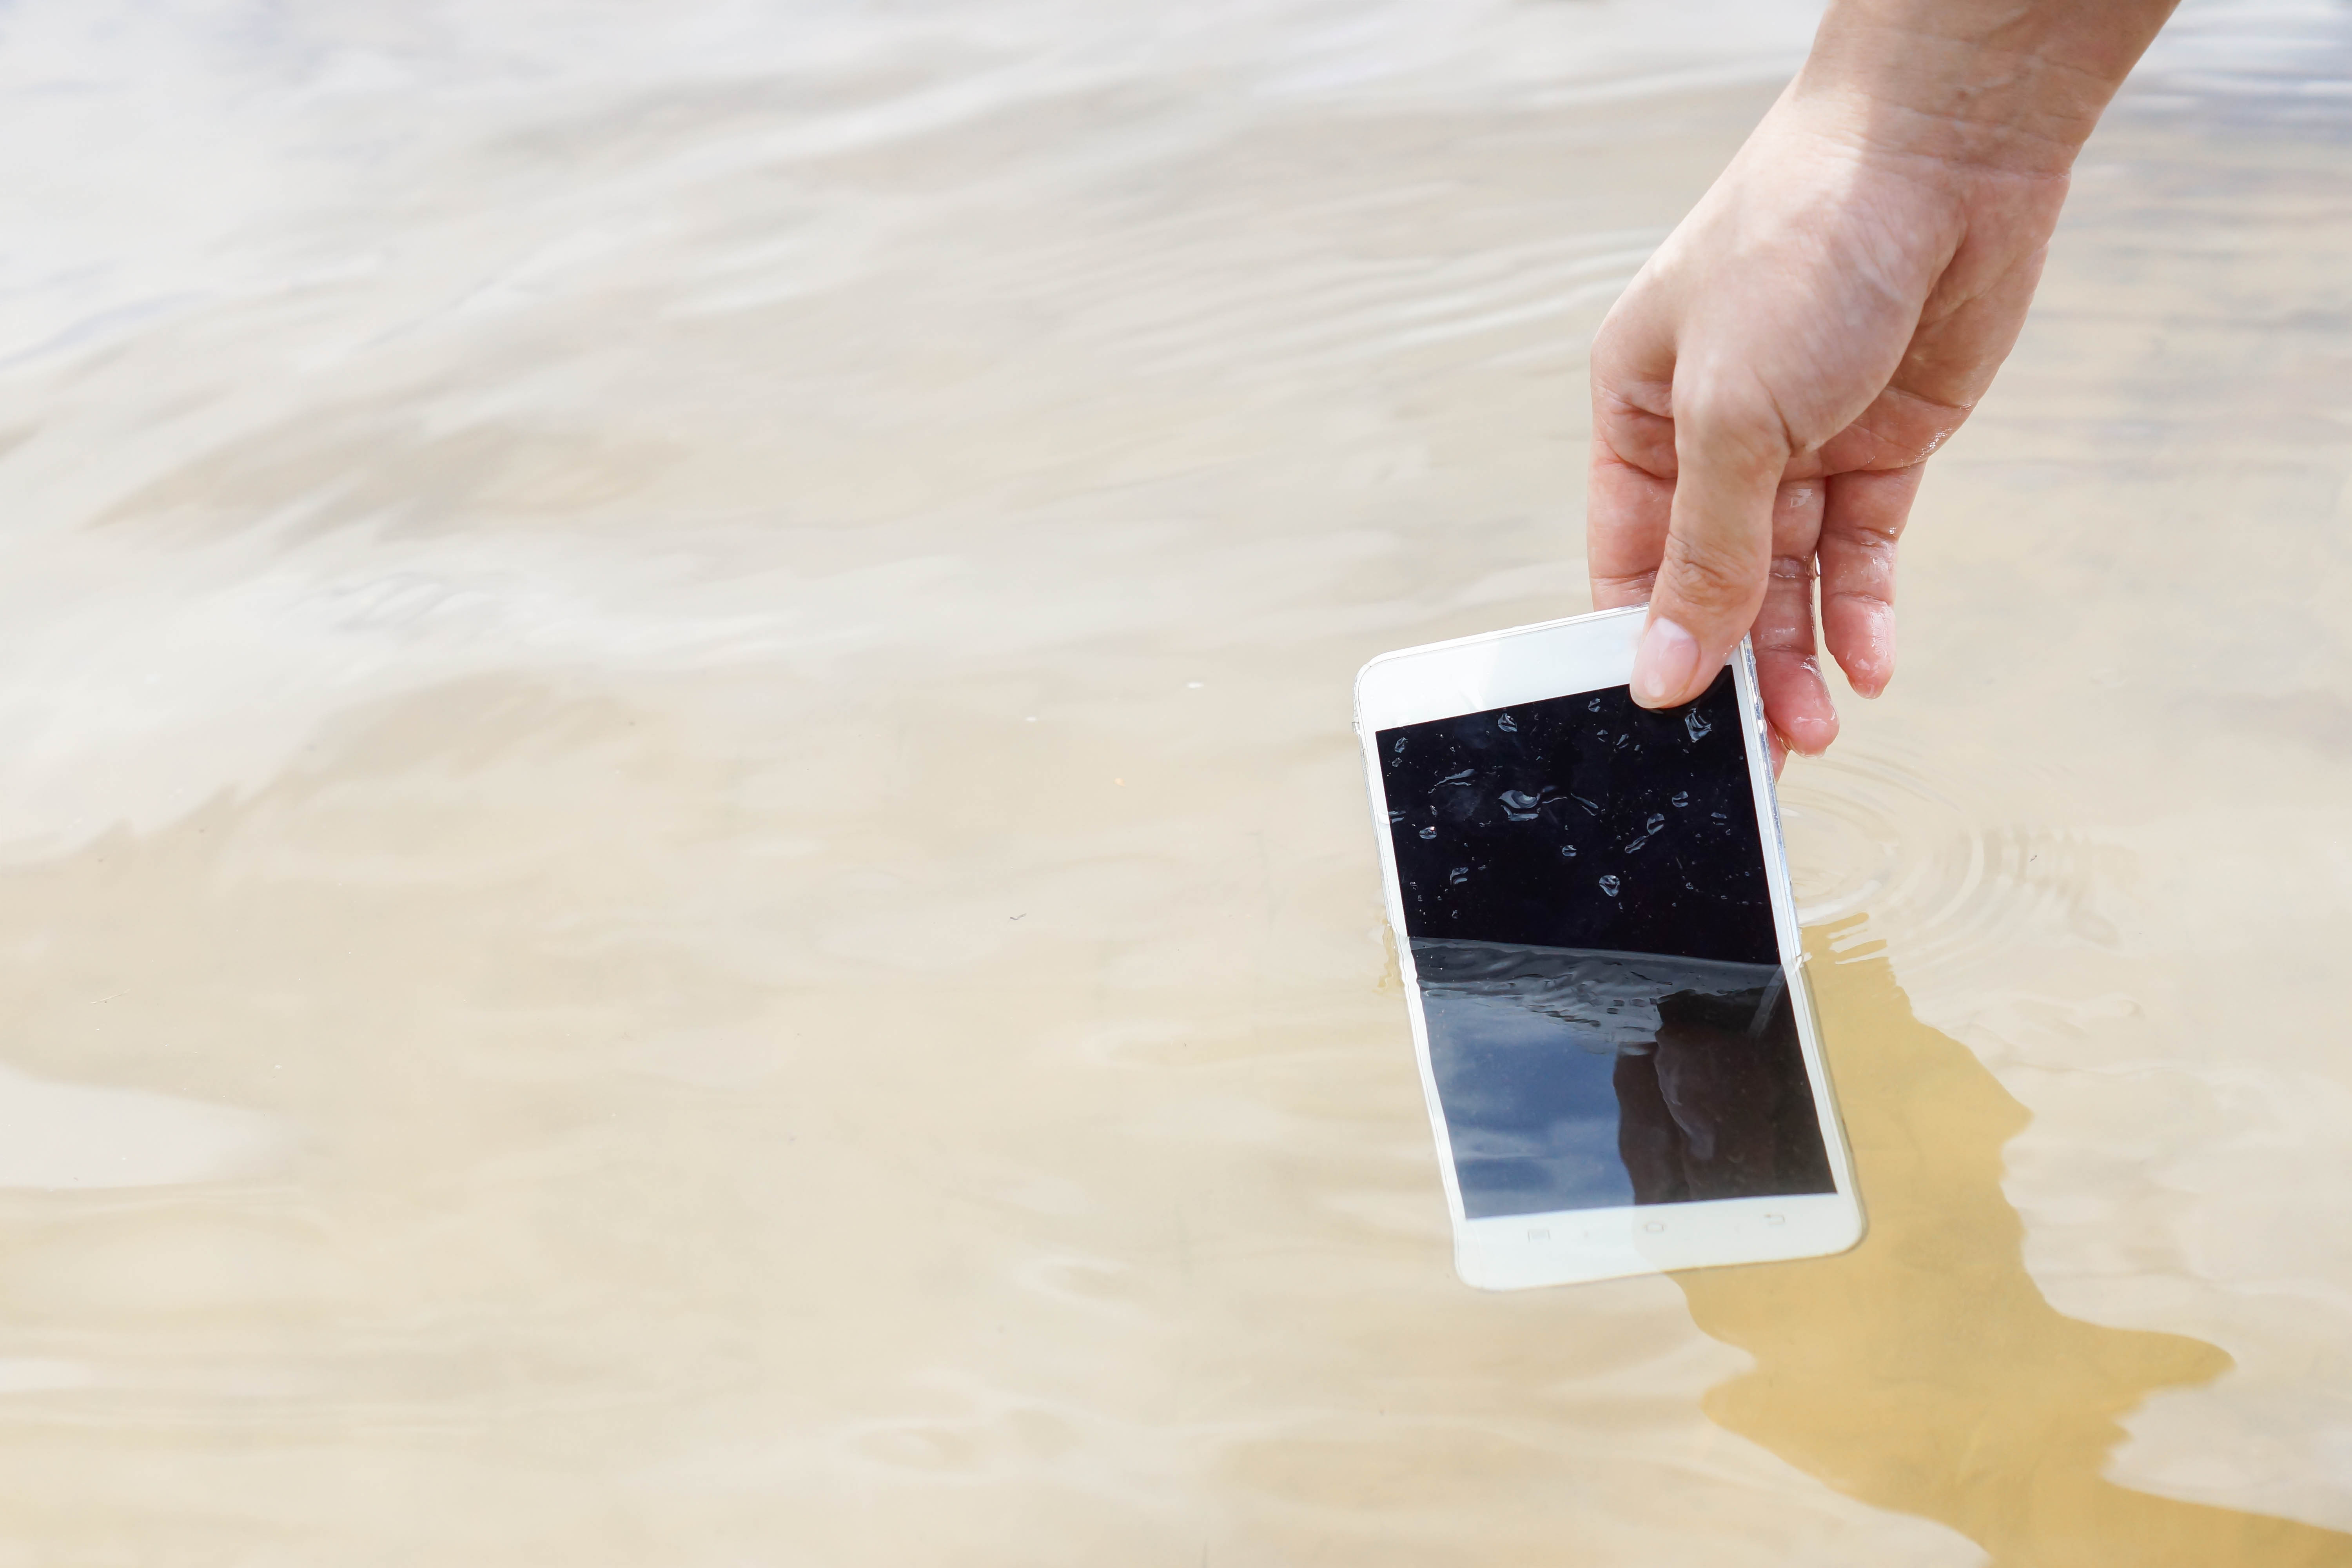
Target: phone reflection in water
{"points": [[1715, 1109], [1577, 1078]]}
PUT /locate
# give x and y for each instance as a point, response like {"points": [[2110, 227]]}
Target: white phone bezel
{"points": [[1560, 659]]}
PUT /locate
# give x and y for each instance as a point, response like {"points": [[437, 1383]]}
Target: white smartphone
{"points": [[1592, 909]]}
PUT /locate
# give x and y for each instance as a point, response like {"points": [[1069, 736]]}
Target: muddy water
{"points": [[684, 880]]}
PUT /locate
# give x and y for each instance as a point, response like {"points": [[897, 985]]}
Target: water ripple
{"points": [[1939, 859]]}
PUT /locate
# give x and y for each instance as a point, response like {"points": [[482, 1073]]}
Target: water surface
{"points": [[684, 883]]}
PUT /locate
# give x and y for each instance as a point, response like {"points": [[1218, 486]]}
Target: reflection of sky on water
{"points": [[1528, 1106], [1525, 1042]]}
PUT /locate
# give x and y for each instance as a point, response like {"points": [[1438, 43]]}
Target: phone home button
{"points": [[1654, 1225]]}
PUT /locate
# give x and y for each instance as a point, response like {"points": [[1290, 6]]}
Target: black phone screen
{"points": [[1585, 894]]}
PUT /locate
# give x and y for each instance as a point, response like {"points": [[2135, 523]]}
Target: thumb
{"points": [[1728, 459]]}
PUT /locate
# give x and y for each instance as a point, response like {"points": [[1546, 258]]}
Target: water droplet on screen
{"points": [[1696, 723], [1586, 804], [1398, 750], [1633, 846], [1460, 875], [1519, 805], [1622, 740], [1657, 820], [1429, 833], [1396, 816], [1567, 851], [1593, 706], [1463, 777], [1609, 886], [1680, 797], [1505, 722]]}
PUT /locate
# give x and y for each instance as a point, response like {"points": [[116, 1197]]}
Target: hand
{"points": [[1767, 390]]}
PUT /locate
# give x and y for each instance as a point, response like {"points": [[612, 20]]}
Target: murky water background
{"points": [[684, 881]]}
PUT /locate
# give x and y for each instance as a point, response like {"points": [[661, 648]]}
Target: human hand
{"points": [[1767, 390]]}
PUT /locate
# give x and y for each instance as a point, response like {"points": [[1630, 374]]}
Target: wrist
{"points": [[1994, 85]]}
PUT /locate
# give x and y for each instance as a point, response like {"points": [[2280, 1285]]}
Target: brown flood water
{"points": [[682, 879]]}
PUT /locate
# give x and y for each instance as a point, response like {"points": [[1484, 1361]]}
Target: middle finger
{"points": [[1796, 698]]}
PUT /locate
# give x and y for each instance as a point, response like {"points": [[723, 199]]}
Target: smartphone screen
{"points": [[1585, 894]]}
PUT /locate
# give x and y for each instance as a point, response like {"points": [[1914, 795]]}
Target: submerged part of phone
{"points": [[1609, 1022]]}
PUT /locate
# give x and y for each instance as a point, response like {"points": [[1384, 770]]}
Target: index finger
{"points": [[1627, 506]]}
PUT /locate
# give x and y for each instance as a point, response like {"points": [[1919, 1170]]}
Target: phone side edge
{"points": [[1789, 938], [1408, 974]]}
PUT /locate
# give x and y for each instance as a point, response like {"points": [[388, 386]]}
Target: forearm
{"points": [[2013, 86]]}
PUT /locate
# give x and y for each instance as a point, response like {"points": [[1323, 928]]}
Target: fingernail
{"points": [[1664, 663]]}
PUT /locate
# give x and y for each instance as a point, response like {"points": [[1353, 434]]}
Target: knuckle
{"points": [[1857, 565], [1710, 577], [1740, 420], [1866, 597], [1638, 583], [1635, 438], [1712, 402], [1876, 535], [1783, 639]]}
